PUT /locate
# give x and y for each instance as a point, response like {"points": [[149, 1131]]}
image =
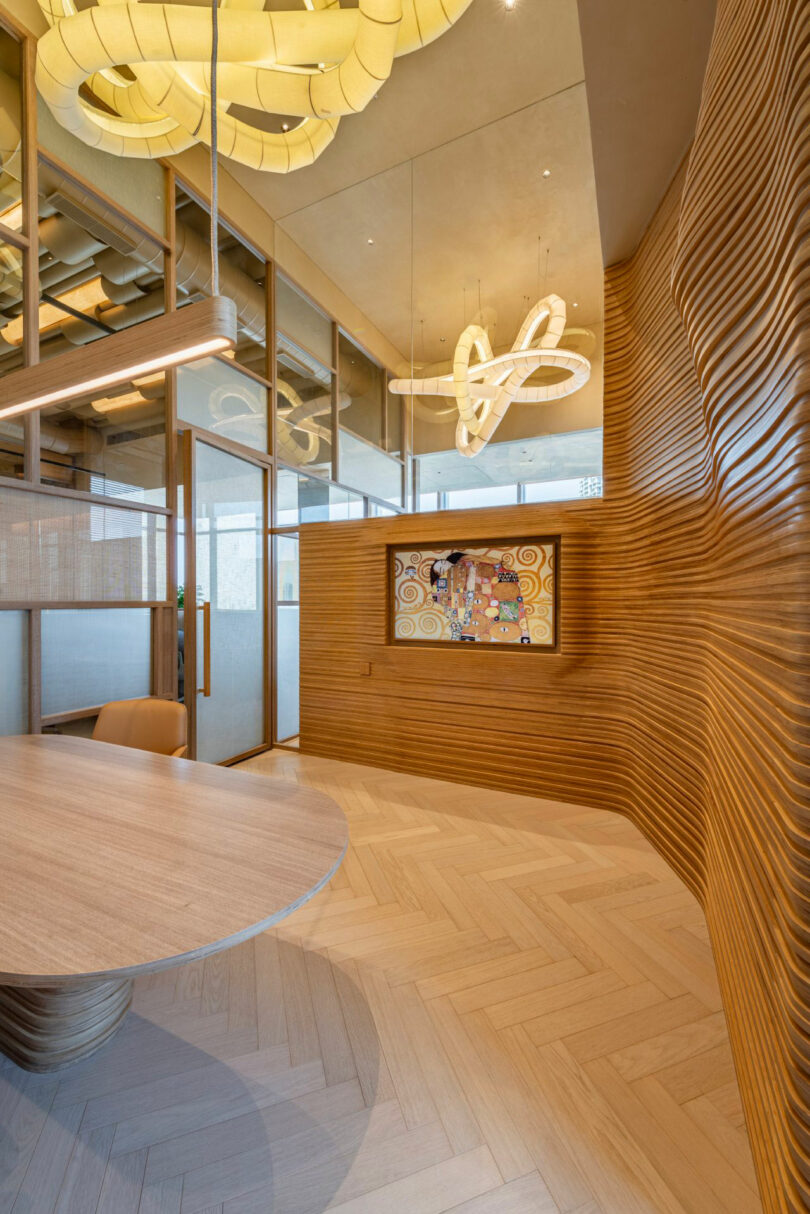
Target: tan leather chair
{"points": [[149, 724]]}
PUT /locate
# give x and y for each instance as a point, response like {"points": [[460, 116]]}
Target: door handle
{"points": [[205, 690]]}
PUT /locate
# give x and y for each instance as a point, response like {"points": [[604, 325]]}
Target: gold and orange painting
{"points": [[491, 593]]}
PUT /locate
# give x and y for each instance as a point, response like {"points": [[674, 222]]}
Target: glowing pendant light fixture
{"points": [[191, 332], [130, 79], [485, 390]]}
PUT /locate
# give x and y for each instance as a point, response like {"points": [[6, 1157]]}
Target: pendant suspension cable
{"points": [[214, 155]]}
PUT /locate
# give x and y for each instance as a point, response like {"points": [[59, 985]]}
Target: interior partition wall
{"points": [[99, 515]]}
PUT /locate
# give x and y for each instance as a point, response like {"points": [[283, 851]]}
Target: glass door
{"points": [[287, 637], [226, 630]]}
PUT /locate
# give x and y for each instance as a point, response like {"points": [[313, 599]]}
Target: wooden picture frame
{"points": [[473, 630]]}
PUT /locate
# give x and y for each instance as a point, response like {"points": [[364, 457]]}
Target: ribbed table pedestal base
{"points": [[45, 1028]]}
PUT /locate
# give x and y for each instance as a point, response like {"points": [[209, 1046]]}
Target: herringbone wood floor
{"points": [[500, 1006]]}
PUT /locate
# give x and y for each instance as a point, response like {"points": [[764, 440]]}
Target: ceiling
{"points": [[644, 68], [444, 173], [444, 170]]}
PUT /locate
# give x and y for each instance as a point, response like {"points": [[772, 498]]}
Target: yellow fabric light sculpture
{"points": [[485, 390], [161, 105]]}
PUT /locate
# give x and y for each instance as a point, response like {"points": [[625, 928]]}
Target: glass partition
{"points": [[14, 672], [550, 467], [99, 273], [93, 655], [137, 184], [300, 499], [242, 278], [303, 410], [394, 414], [230, 576], [215, 395], [11, 328], [287, 637], [11, 157], [302, 323], [361, 387], [112, 444], [369, 469]]}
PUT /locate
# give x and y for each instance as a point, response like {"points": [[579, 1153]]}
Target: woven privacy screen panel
{"points": [[59, 549]]}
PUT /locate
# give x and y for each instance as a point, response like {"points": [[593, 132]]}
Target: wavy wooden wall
{"points": [[680, 697]]}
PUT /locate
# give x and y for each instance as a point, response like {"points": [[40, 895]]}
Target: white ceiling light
{"points": [[206, 327], [485, 390], [546, 172], [131, 79]]}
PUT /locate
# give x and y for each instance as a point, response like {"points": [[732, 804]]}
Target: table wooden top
{"points": [[115, 861]]}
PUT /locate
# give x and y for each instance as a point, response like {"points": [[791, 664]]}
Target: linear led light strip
{"points": [[206, 327]]}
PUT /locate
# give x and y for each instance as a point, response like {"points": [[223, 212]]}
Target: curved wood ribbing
{"points": [[680, 695], [742, 282], [47, 1028]]}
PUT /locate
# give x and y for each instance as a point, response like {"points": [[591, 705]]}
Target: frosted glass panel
{"points": [[13, 672], [370, 470], [230, 576], [215, 396], [287, 672], [64, 550], [287, 581], [91, 656]]}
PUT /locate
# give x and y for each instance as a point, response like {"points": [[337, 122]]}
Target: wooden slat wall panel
{"points": [[742, 282], [680, 696]]}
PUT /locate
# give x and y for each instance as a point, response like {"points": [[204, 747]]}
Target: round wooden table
{"points": [[116, 862]]}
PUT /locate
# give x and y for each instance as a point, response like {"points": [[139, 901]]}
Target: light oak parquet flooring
{"points": [[499, 1006]]}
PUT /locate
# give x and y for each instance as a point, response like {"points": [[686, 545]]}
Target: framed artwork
{"points": [[486, 592]]}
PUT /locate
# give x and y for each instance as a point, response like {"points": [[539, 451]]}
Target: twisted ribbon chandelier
{"points": [[134, 79], [484, 390]]}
